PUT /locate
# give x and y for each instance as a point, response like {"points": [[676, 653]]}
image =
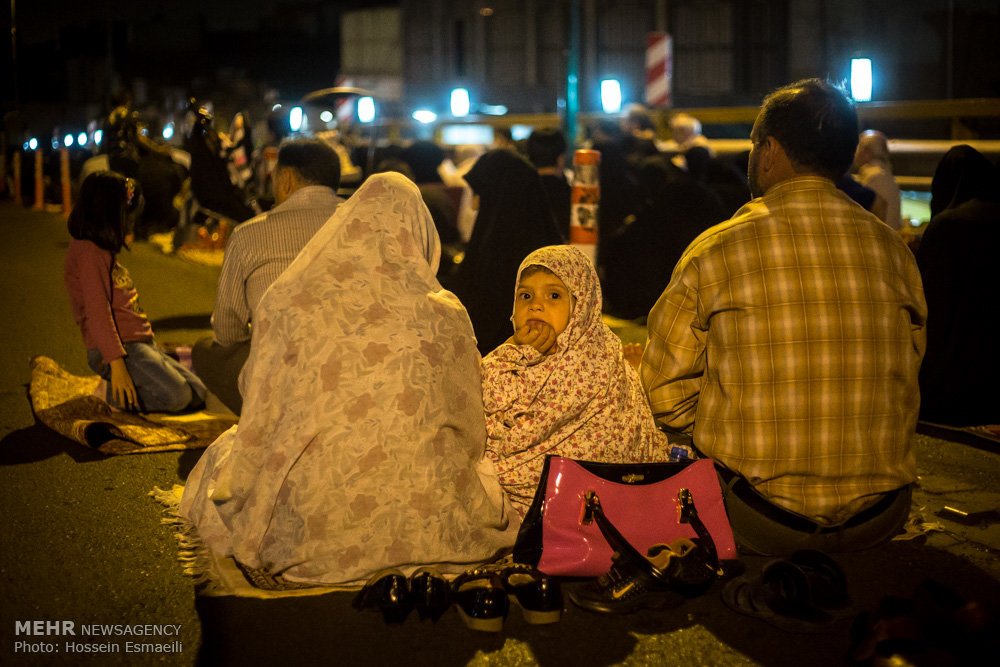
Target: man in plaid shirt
{"points": [[788, 342]]}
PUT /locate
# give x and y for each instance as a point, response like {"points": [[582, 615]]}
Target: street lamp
{"points": [[366, 109], [611, 96], [861, 79], [295, 119], [424, 116], [460, 104]]}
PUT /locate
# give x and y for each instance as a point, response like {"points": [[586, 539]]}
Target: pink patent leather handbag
{"points": [[641, 500]]}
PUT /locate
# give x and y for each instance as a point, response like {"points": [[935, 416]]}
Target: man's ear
{"points": [[285, 181], [769, 153]]}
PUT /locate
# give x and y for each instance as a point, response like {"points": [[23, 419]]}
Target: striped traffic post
{"points": [[586, 197], [659, 69]]}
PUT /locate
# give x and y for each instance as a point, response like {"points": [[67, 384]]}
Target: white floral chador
{"points": [[361, 442]]}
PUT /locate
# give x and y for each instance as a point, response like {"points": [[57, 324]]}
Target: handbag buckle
{"points": [[685, 506], [591, 503]]}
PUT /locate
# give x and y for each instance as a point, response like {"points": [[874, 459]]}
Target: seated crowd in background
{"points": [[435, 409]]}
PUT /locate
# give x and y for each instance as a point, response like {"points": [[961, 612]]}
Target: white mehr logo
{"points": [[44, 628]]}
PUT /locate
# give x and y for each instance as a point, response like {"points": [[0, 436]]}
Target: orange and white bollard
{"points": [[39, 182], [17, 178], [67, 190], [586, 198]]}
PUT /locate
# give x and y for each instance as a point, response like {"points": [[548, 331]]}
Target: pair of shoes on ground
{"points": [[483, 596], [391, 593], [667, 576], [806, 592]]}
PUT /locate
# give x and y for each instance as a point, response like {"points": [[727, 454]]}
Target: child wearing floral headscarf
{"points": [[561, 385]]}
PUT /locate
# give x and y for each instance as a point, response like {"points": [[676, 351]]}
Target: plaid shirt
{"points": [[788, 343]]}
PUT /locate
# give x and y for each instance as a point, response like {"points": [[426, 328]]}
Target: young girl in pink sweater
{"points": [[116, 332]]}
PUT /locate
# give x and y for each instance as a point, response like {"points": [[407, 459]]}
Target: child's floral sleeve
{"points": [[517, 418]]}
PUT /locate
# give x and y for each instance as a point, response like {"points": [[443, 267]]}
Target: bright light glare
{"points": [[33, 144], [611, 96], [55, 144], [861, 79], [460, 102], [275, 107], [326, 116], [68, 140], [168, 131], [98, 136], [518, 131], [295, 119], [493, 109], [366, 109], [424, 116], [82, 138]]}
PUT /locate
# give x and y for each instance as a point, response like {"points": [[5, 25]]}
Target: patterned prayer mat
{"points": [[216, 575], [66, 404]]}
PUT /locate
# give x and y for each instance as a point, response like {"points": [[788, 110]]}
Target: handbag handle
{"points": [[594, 512]]}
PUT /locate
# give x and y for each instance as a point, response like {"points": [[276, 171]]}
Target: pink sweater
{"points": [[104, 301]]}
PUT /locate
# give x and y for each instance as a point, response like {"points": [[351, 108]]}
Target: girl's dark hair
{"points": [[104, 210]]}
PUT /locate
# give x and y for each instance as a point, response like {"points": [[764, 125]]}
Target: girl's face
{"points": [[541, 297]]}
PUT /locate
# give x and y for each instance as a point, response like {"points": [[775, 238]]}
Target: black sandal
{"points": [[481, 600], [538, 595], [803, 593]]}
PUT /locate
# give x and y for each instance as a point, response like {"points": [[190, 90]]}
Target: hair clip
{"points": [[129, 192]]}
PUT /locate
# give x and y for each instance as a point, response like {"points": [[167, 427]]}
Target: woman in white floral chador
{"points": [[360, 446]]}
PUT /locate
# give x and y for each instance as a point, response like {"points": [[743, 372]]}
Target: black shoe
{"points": [[386, 591], [539, 596], [430, 593], [481, 600]]}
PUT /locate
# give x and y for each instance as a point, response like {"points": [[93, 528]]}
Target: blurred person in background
{"points": [[547, 151], [873, 170], [961, 275]]}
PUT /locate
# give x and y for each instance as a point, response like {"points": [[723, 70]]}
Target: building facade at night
{"points": [[516, 53]]}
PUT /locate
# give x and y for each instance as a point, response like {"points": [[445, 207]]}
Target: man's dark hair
{"points": [[545, 145], [104, 210], [313, 160], [815, 122]]}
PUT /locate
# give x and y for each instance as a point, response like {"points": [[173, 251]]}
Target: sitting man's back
{"points": [[259, 250], [789, 339]]}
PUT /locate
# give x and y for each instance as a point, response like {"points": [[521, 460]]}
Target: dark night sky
{"points": [[174, 42]]}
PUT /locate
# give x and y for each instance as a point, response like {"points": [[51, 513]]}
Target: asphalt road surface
{"points": [[82, 541]]}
